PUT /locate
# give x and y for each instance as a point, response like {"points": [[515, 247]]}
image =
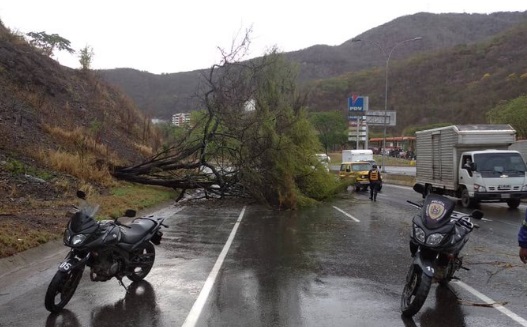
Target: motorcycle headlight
{"points": [[434, 239], [78, 239], [419, 234]]}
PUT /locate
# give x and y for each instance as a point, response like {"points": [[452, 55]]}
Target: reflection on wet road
{"points": [[338, 264]]}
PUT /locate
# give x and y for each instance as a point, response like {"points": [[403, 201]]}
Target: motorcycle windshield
{"points": [[436, 211], [82, 224], [82, 221]]}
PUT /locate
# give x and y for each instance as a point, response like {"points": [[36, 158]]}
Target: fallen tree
{"points": [[252, 138]]}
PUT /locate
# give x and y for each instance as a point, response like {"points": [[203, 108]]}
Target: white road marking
{"points": [[495, 305], [197, 308], [347, 214], [399, 186]]}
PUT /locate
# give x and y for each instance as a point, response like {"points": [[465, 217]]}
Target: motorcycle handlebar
{"points": [[476, 214], [415, 204]]}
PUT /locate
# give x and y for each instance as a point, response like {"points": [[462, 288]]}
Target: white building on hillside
{"points": [[181, 119]]}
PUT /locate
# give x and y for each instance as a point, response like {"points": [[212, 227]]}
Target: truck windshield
{"points": [[361, 167], [497, 164]]}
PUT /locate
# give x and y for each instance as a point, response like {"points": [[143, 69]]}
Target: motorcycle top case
{"points": [[436, 211]]}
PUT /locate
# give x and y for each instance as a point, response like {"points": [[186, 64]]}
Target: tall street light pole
{"points": [[387, 56]]}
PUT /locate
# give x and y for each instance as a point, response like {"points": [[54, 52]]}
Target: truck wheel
{"points": [[513, 203], [466, 201]]}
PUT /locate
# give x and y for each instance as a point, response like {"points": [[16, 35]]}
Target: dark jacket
{"points": [[522, 233]]}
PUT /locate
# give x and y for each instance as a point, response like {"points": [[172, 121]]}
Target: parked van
{"points": [[358, 171], [357, 155]]}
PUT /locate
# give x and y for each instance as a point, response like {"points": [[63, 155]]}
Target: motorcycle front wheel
{"points": [[142, 260], [415, 291], [61, 289]]}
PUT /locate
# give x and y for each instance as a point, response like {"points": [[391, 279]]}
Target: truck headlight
{"points": [[479, 188], [524, 188]]}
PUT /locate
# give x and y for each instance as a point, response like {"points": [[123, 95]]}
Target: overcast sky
{"points": [[169, 36]]}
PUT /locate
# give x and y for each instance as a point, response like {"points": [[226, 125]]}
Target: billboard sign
{"points": [[378, 117], [357, 105]]}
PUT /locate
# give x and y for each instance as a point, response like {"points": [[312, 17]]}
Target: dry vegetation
{"points": [[31, 221], [62, 130]]}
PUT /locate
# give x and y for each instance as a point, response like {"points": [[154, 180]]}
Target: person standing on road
{"points": [[374, 176], [522, 239]]}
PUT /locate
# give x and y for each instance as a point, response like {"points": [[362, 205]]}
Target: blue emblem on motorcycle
{"points": [[435, 209]]}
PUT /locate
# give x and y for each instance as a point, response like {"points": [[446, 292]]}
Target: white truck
{"points": [[472, 163], [357, 155]]}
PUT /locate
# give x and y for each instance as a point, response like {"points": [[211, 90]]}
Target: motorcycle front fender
{"points": [[71, 263], [425, 264]]}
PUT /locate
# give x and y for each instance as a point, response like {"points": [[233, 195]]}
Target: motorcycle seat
{"points": [[137, 230]]}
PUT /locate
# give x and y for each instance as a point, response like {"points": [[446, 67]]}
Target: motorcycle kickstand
{"points": [[122, 284]]}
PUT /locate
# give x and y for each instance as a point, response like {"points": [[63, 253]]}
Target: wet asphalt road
{"points": [[340, 264]]}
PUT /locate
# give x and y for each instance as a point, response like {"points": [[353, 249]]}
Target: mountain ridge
{"points": [[167, 94]]}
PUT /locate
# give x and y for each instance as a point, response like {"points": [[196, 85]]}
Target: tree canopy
{"points": [[48, 43], [513, 112], [86, 57], [252, 138], [332, 128]]}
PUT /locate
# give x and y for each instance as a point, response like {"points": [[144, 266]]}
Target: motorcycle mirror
{"points": [[129, 213], [81, 195], [419, 188], [476, 214]]}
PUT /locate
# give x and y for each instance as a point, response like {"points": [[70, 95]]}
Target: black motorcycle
{"points": [[437, 237], [108, 247]]}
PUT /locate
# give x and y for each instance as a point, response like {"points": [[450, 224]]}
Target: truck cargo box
{"points": [[438, 150]]}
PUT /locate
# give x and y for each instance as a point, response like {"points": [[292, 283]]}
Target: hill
{"points": [[458, 85], [163, 95], [60, 130]]}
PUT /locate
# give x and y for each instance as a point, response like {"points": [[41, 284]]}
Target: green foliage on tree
{"points": [[513, 112], [86, 57], [332, 128], [274, 144], [253, 137], [48, 43]]}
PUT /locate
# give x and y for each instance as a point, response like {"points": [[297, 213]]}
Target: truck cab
{"points": [[492, 176], [472, 163]]}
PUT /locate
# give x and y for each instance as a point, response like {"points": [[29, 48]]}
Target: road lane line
{"points": [[347, 214], [495, 305], [195, 312]]}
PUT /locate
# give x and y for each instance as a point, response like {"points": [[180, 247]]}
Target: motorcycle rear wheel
{"points": [[142, 261], [415, 291], [61, 289]]}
